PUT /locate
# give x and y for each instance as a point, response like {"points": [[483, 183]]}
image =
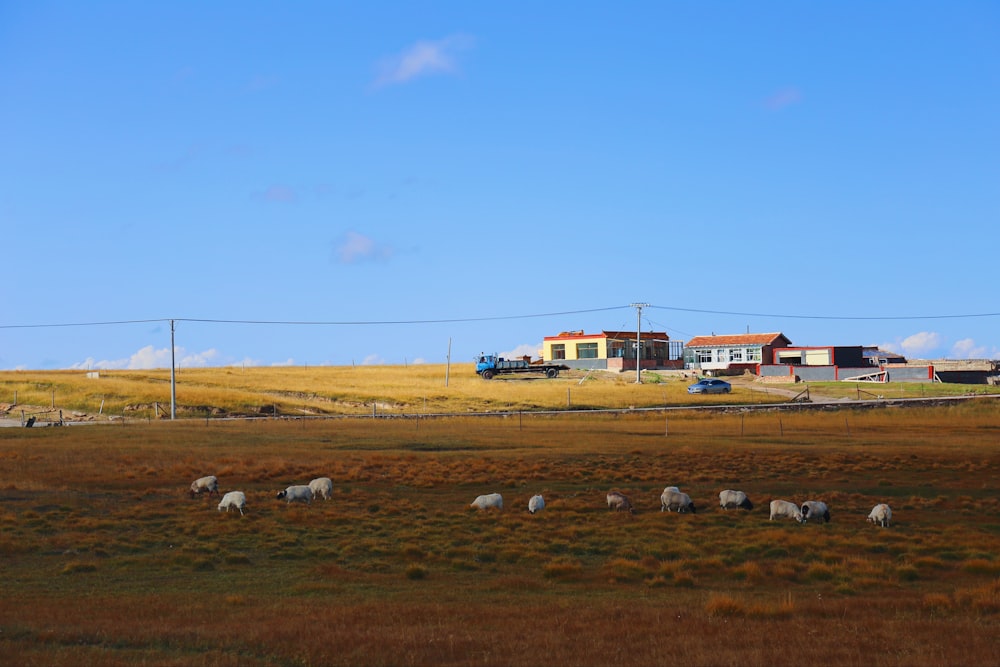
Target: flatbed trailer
{"points": [[490, 365]]}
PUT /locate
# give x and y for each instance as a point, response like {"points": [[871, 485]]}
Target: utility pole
{"points": [[173, 379], [638, 339]]}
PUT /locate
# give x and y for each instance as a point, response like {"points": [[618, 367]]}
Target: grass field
{"points": [[108, 561], [392, 391]]}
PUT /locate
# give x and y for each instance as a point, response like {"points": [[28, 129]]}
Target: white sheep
{"points": [[536, 503], [881, 515], [322, 487], [782, 509], [208, 484], [233, 499], [488, 501], [672, 500], [298, 493], [619, 502], [815, 509], [730, 499]]}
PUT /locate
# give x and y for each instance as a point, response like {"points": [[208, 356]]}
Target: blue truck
{"points": [[490, 365]]}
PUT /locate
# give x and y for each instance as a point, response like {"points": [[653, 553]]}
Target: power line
{"points": [[78, 324], [830, 317], [315, 323], [496, 318]]}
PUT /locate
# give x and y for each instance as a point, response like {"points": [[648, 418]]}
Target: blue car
{"points": [[710, 386]]}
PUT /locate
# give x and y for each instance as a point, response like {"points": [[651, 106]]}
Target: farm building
{"points": [[612, 350], [731, 354], [826, 364], [866, 364]]}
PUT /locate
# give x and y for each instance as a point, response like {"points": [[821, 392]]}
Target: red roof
{"points": [[613, 335], [738, 339]]}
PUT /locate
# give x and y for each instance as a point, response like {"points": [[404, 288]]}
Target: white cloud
{"points": [[354, 247], [372, 360], [422, 59], [918, 345], [150, 357], [968, 349], [525, 349]]}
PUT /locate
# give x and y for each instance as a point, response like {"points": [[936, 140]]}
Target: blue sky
{"points": [[345, 183]]}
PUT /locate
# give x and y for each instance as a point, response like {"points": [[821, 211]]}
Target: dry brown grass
{"points": [[108, 562], [387, 391]]}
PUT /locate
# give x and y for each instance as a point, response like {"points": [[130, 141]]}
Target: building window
{"points": [[586, 350], [753, 354], [736, 355], [704, 356], [559, 351], [616, 349]]}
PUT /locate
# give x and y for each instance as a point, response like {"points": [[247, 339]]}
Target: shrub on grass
{"points": [[684, 580], [820, 572], [562, 569], [982, 599], [981, 566], [623, 570], [937, 602], [77, 567], [722, 605], [415, 572], [750, 572]]}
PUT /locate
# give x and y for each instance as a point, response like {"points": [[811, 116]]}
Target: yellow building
{"points": [[612, 350]]}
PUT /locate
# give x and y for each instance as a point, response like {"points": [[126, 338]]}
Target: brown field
{"points": [[107, 561]]}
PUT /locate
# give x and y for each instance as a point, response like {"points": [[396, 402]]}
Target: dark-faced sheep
{"points": [[536, 503], [297, 493], [672, 500], [730, 499], [814, 510]]}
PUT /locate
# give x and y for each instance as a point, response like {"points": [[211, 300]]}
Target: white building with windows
{"points": [[732, 354]]}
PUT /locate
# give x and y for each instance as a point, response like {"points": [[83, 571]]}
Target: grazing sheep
{"points": [[672, 500], [209, 484], [322, 487], [233, 499], [782, 509], [298, 492], [881, 515], [488, 501], [536, 503], [814, 509], [730, 499], [669, 489], [619, 502]]}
